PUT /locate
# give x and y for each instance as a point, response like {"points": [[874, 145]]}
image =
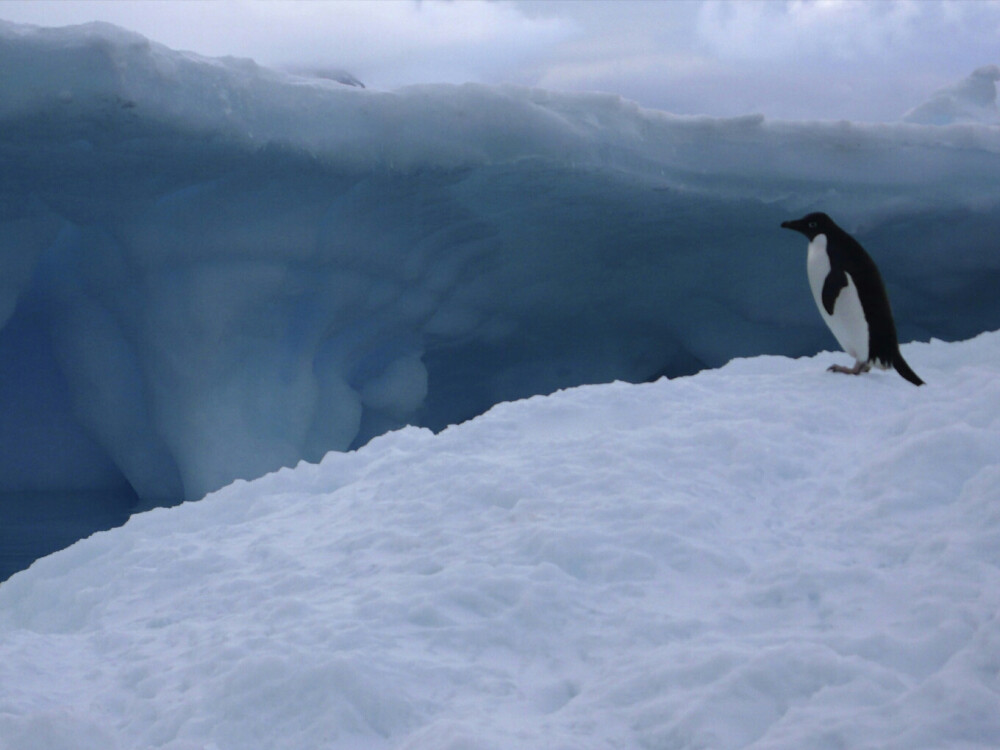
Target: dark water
{"points": [[35, 524]]}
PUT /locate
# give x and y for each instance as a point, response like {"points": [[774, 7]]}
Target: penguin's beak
{"points": [[796, 225]]}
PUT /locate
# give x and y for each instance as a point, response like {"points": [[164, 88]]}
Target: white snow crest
{"points": [[971, 100], [766, 555]]}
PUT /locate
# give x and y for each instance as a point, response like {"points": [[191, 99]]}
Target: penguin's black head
{"points": [[811, 225]]}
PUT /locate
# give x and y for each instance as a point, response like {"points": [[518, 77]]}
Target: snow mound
{"points": [[765, 555], [974, 99]]}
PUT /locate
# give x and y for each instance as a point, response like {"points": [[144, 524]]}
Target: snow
{"points": [[765, 555], [973, 99], [210, 270]]}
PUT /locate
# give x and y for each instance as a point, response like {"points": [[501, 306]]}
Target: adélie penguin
{"points": [[851, 297]]}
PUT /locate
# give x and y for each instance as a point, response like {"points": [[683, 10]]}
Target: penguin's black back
{"points": [[847, 255]]}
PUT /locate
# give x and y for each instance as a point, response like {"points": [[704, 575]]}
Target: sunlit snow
{"points": [[766, 555]]}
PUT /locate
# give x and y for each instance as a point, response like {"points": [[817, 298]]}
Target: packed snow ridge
{"points": [[209, 270], [766, 555]]}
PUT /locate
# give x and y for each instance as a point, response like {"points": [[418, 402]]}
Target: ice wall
{"points": [[209, 270]]}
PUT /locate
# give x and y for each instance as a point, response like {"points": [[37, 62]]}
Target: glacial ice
{"points": [[209, 270]]}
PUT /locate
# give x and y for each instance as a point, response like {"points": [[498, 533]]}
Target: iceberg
{"points": [[210, 270]]}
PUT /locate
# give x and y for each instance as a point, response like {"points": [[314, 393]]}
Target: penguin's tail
{"points": [[904, 369]]}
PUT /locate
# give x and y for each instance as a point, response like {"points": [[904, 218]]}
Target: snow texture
{"points": [[766, 555], [209, 270]]}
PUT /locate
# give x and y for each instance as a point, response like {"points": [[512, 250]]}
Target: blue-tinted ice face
{"points": [[219, 270]]}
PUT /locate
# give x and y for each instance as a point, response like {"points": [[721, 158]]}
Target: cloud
{"points": [[394, 43], [797, 59], [839, 31], [833, 30]]}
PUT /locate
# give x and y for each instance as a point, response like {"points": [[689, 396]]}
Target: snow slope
{"points": [[765, 555]]}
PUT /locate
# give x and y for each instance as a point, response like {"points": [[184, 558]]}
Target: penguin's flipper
{"points": [[835, 281], [904, 369]]}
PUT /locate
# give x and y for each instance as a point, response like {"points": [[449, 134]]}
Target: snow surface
{"points": [[766, 555], [209, 270]]}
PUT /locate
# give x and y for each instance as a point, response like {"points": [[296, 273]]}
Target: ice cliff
{"points": [[209, 270]]}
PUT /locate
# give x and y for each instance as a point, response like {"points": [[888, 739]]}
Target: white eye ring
{"points": [[812, 224]]}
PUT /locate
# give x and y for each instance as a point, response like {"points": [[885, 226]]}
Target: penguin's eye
{"points": [[812, 224]]}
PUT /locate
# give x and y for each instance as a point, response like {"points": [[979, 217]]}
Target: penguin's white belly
{"points": [[847, 323]]}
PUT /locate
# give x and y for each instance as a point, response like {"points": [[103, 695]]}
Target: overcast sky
{"points": [[800, 59]]}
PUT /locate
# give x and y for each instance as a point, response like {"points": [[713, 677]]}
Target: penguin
{"points": [[851, 297]]}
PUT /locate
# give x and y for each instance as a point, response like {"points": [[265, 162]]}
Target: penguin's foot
{"points": [[858, 368]]}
